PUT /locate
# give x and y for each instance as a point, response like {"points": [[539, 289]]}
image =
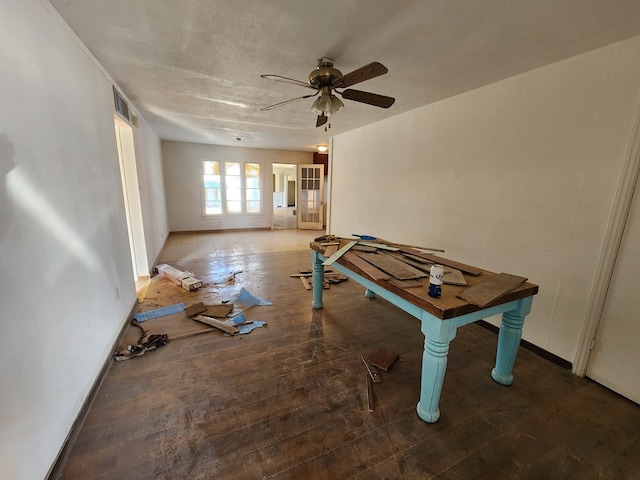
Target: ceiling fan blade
{"points": [[369, 98], [280, 78], [321, 120], [275, 105], [374, 69]]}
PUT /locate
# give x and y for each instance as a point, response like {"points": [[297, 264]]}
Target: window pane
{"points": [[253, 182], [252, 169], [232, 182], [231, 169], [211, 168], [253, 194], [234, 194], [234, 206], [212, 187], [253, 207]]}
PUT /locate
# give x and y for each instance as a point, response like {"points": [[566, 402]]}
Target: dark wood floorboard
{"points": [[288, 401]]}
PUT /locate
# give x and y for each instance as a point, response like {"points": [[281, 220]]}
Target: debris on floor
{"points": [[159, 312], [184, 279], [383, 358], [233, 326], [243, 325], [330, 277], [142, 347], [244, 300]]}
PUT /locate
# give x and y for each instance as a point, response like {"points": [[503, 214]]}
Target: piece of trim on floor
{"points": [[56, 469], [552, 357]]}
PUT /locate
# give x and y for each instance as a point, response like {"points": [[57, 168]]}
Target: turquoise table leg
{"points": [[438, 335], [509, 341], [317, 280], [370, 294]]}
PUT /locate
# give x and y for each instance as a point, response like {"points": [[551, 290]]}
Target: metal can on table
{"points": [[435, 280]]}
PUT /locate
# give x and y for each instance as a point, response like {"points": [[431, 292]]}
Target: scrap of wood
{"points": [[219, 310], [393, 266], [416, 258], [484, 293], [373, 373], [194, 309], [381, 246], [453, 276], [331, 249], [422, 266], [364, 248], [305, 282], [383, 358], [339, 253], [366, 267], [191, 334], [411, 283], [212, 322], [369, 394], [468, 269]]}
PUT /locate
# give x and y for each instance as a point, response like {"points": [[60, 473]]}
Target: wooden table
{"points": [[440, 319]]}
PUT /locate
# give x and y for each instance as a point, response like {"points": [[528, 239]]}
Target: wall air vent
{"points": [[121, 105]]}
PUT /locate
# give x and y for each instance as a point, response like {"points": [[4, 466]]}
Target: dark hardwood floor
{"points": [[288, 401]]}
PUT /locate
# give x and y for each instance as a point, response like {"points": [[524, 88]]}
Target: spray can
{"points": [[435, 281]]}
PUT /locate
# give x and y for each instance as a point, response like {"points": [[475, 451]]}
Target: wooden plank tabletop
{"points": [[449, 305]]}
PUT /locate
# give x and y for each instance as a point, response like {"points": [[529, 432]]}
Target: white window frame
{"points": [[223, 189]]}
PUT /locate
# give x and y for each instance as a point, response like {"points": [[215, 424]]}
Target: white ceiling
{"points": [[192, 67]]}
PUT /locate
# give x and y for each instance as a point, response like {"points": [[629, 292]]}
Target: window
{"points": [[231, 187]]}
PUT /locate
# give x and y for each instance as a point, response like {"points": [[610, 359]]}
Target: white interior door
{"points": [[310, 196], [615, 359]]}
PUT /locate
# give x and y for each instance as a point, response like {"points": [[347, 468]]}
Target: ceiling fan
{"points": [[327, 81]]}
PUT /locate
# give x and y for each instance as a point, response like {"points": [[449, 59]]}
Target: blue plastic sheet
{"points": [[244, 300], [247, 328], [159, 312]]}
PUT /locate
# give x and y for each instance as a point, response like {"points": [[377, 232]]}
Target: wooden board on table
{"points": [[468, 269], [366, 267], [484, 293], [453, 276], [330, 250], [423, 266], [364, 248], [394, 267], [339, 253], [411, 283]]}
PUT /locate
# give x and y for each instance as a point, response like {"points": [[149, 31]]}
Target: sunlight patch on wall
{"points": [[32, 203]]}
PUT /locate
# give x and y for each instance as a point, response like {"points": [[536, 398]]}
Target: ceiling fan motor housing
{"points": [[325, 74]]}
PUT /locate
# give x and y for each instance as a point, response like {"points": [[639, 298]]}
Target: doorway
{"points": [[616, 347], [132, 205], [284, 196]]}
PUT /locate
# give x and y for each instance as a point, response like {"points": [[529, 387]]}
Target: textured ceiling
{"points": [[192, 67]]}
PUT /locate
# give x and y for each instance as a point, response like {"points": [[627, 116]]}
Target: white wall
{"points": [[66, 279], [183, 183], [517, 177]]}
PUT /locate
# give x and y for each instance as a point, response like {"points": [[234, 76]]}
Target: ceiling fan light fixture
{"points": [[336, 105], [322, 105]]}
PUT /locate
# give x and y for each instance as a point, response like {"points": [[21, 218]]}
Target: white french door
{"points": [[310, 197]]}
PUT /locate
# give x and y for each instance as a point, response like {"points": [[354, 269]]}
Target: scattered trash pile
{"points": [[227, 316]]}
